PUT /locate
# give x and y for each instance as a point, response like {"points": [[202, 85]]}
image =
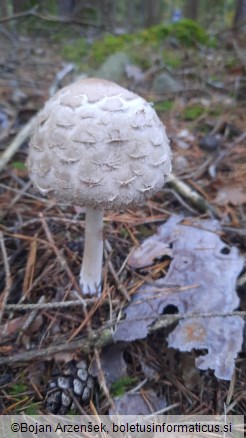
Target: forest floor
{"points": [[42, 242]]}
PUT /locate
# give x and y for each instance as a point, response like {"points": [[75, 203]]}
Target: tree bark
{"points": [[3, 8], [106, 10], [152, 12], [240, 13], [20, 5], [65, 7], [191, 9]]}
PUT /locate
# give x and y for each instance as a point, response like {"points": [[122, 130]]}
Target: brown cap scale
{"points": [[98, 145]]}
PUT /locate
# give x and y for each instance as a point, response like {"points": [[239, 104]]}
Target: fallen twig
{"points": [[51, 306], [103, 336], [30, 318], [20, 138], [191, 195], [68, 68], [102, 379], [47, 17], [180, 199]]}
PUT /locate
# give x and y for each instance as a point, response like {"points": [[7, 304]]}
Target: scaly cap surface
{"points": [[99, 145]]}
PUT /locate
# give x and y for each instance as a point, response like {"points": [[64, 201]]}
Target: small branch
{"points": [[47, 17], [56, 306], [67, 69], [191, 195], [102, 379], [48, 306], [97, 339], [18, 15], [30, 319], [180, 199], [20, 138], [103, 336]]}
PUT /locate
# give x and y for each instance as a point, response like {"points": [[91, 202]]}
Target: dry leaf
{"points": [[231, 195], [201, 278]]}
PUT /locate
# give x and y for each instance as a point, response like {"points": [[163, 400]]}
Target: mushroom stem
{"points": [[91, 269]]}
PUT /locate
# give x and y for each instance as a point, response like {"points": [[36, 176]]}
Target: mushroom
{"points": [[98, 145]]}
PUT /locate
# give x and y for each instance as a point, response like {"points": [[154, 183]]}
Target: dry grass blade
{"points": [[8, 280], [28, 279], [119, 285], [101, 378]]}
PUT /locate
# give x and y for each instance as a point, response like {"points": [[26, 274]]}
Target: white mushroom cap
{"points": [[98, 145]]}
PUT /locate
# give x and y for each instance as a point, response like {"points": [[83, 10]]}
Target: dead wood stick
{"points": [[102, 379], [191, 195], [27, 13], [52, 306], [20, 138], [30, 318], [67, 69], [102, 337]]}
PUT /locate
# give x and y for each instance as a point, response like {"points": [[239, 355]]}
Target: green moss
{"points": [[123, 233], [172, 59], [154, 34], [143, 59], [216, 112], [231, 62], [17, 388], [187, 32], [76, 51], [192, 112], [110, 44], [122, 385], [18, 165], [145, 231], [32, 409], [164, 106]]}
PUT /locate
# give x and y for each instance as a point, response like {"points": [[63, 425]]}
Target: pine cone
{"points": [[75, 379]]}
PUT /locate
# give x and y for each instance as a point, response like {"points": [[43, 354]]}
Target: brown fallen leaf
{"points": [[16, 324]]}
